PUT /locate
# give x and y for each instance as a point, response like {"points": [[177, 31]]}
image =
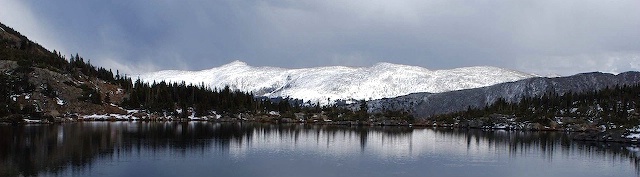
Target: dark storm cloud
{"points": [[563, 37]]}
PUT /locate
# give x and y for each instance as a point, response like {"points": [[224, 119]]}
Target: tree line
{"points": [[167, 98]]}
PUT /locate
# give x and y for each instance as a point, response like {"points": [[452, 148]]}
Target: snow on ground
{"points": [[131, 116], [633, 136], [109, 116], [96, 117]]}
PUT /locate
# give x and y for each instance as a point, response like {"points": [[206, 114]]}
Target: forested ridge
{"points": [[618, 105]]}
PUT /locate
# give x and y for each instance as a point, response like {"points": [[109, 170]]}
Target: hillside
{"points": [[40, 83], [329, 84]]}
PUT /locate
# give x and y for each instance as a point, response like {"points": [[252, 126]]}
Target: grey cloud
{"points": [[539, 36]]}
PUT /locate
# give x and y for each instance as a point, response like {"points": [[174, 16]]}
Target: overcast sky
{"points": [[538, 36]]}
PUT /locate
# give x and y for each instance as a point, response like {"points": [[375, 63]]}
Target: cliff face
{"points": [[427, 104]]}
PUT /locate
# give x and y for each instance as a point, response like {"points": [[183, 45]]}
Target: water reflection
{"points": [[33, 150]]}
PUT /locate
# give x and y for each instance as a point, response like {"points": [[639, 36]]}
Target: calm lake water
{"points": [[250, 149]]}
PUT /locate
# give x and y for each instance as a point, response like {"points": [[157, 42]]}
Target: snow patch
{"points": [[634, 129], [59, 101], [96, 117], [32, 121], [573, 110], [274, 113], [131, 111]]}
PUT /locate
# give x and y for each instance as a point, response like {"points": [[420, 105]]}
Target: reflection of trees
{"points": [[615, 150], [515, 141], [28, 150], [519, 142], [31, 150]]}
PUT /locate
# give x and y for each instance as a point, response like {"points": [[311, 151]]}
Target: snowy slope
{"points": [[327, 84]]}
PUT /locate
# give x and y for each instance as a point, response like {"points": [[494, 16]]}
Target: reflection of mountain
{"points": [[34, 150]]}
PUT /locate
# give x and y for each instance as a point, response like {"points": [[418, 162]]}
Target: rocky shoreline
{"points": [[586, 133]]}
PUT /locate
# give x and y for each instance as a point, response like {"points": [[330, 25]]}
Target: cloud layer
{"points": [[538, 36]]}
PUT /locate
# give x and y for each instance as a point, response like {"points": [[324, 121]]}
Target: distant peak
{"points": [[235, 63], [385, 64], [388, 65]]}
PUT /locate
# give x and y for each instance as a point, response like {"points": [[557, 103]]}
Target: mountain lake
{"points": [[252, 149]]}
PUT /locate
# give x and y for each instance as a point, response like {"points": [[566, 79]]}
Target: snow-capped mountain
{"points": [[328, 84], [423, 105]]}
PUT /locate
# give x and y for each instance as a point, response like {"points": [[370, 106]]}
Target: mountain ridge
{"points": [[428, 104], [326, 85]]}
